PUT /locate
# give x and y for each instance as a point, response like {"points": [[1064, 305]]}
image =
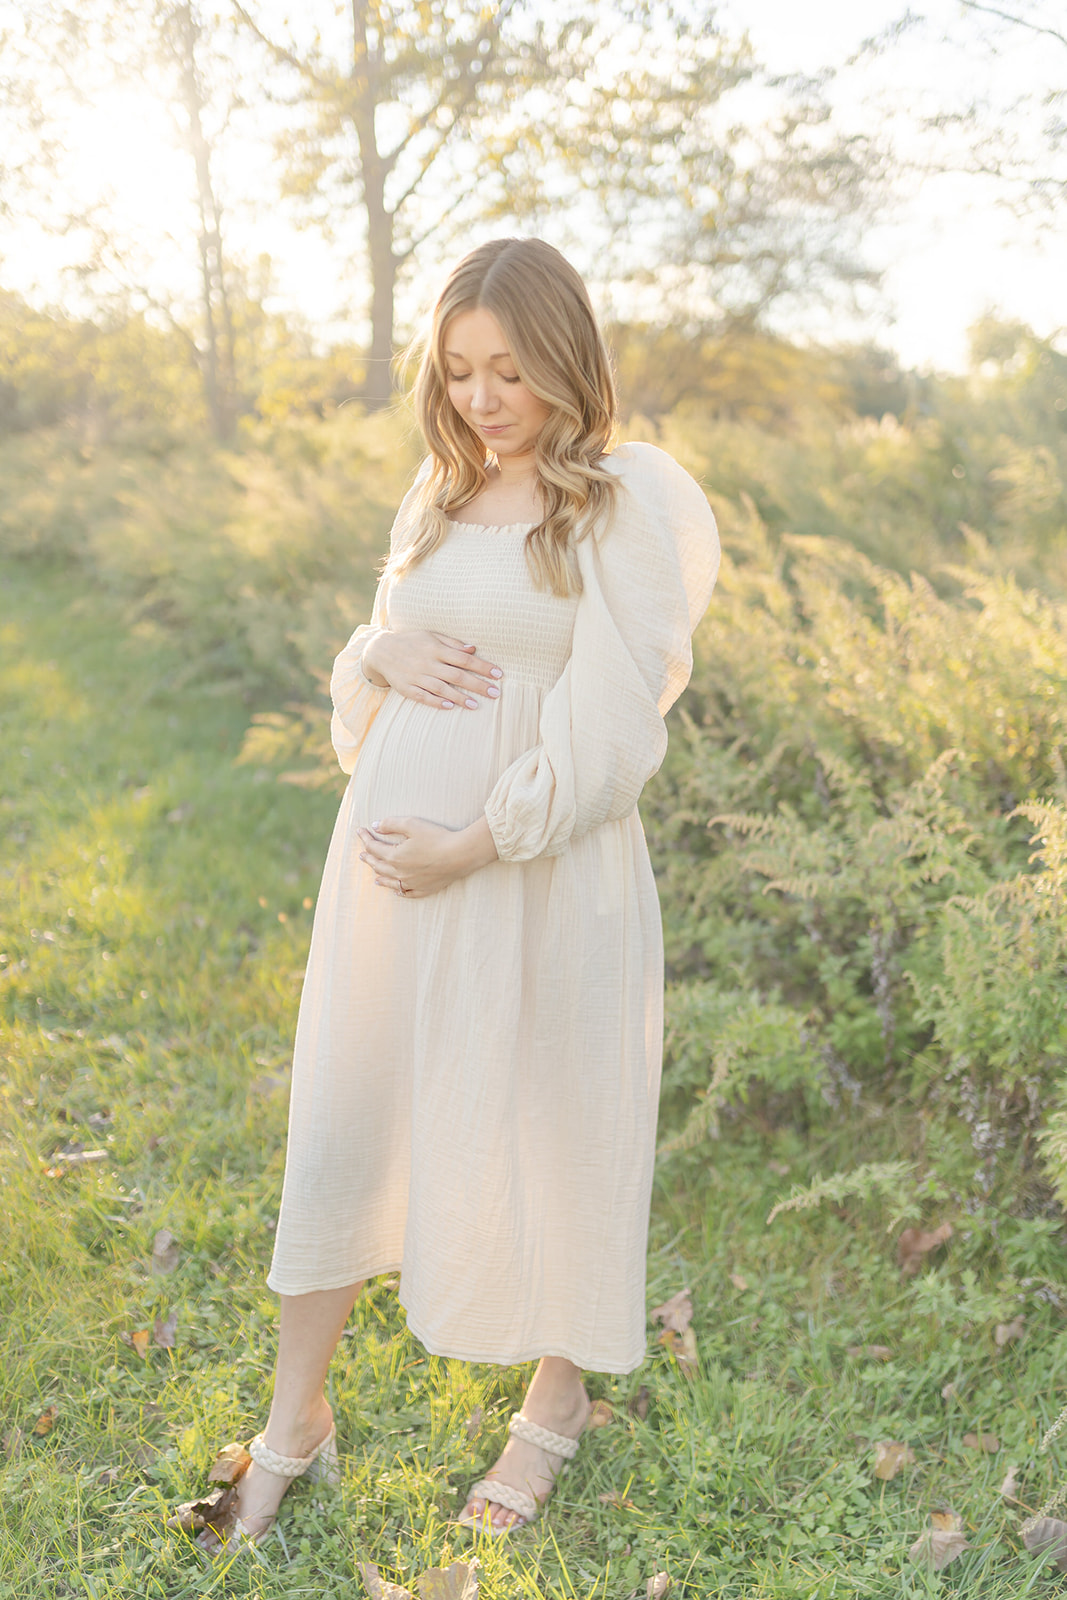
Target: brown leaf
{"points": [[137, 1341], [659, 1585], [164, 1253], [46, 1421], [915, 1243], [683, 1348], [637, 1405], [231, 1463], [106, 1478], [380, 1588], [457, 1582], [1009, 1489], [600, 1416], [936, 1548], [474, 1423], [890, 1457], [617, 1500], [982, 1441], [1047, 1536], [869, 1352], [210, 1511], [163, 1332], [1007, 1332], [676, 1313], [946, 1521], [13, 1443], [739, 1283]]}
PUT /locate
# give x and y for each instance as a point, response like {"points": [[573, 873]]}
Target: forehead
{"points": [[476, 335]]}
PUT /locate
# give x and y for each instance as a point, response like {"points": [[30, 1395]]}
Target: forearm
{"points": [[474, 847]]}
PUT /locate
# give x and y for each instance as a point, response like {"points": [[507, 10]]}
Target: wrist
{"points": [[475, 847], [366, 665]]}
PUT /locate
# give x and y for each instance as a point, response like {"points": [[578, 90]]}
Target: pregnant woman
{"points": [[477, 1057]]}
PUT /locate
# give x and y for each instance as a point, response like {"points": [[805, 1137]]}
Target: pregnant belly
{"points": [[441, 765]]}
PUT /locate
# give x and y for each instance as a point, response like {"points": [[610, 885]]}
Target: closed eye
{"points": [[457, 377]]}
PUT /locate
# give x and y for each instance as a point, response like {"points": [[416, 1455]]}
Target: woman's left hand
{"points": [[414, 858]]}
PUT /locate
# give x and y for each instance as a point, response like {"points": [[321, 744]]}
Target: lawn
{"points": [[156, 905]]}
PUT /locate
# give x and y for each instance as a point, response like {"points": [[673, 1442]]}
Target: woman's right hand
{"points": [[431, 668]]}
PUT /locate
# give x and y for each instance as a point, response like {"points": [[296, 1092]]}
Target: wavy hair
{"points": [[543, 307]]}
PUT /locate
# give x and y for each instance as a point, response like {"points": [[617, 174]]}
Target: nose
{"points": [[483, 401]]}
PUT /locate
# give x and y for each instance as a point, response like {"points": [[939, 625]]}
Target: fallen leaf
{"points": [[949, 1391], [164, 1253], [676, 1313], [982, 1441], [1007, 1332], [106, 1478], [164, 1332], [139, 1340], [1047, 1536], [637, 1405], [474, 1423], [739, 1283], [457, 1582], [915, 1243], [46, 1421], [1009, 1489], [890, 1458], [13, 1443], [231, 1463], [600, 1415], [936, 1548], [209, 1512], [658, 1586], [869, 1352], [683, 1348], [946, 1521], [617, 1500], [380, 1588]]}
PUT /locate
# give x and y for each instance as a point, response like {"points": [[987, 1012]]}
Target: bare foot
{"points": [[556, 1399], [259, 1492]]}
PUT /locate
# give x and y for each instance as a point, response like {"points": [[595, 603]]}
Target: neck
{"points": [[515, 470]]}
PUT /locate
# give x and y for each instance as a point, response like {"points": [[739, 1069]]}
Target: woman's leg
{"points": [[309, 1327], [555, 1399]]}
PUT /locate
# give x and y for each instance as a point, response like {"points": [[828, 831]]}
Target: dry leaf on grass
{"points": [[1007, 1332], [869, 1352], [46, 1421], [637, 1405], [1009, 1489], [164, 1253], [380, 1588], [1047, 1536], [210, 1512], [988, 1442], [139, 1340], [457, 1582], [949, 1391], [164, 1332], [619, 1501], [600, 1416], [231, 1463], [739, 1283], [891, 1457], [942, 1542], [915, 1244], [659, 1585], [676, 1313], [683, 1347]]}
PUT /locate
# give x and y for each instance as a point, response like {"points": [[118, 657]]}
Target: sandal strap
{"points": [[502, 1494], [556, 1444], [285, 1466]]}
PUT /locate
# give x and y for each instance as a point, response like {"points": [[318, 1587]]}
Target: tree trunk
{"points": [[378, 383]]}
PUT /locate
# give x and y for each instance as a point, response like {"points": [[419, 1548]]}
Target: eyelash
{"points": [[454, 377]]}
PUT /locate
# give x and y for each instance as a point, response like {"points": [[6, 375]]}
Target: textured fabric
{"points": [[476, 1074]]}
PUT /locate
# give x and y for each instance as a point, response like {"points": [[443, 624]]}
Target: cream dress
{"points": [[476, 1073]]}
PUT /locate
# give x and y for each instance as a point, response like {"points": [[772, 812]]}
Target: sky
{"points": [[950, 250]]}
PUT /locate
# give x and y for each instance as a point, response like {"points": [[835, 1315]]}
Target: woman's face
{"points": [[484, 385]]}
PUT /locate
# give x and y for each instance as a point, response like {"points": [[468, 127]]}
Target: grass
{"points": [[155, 913]]}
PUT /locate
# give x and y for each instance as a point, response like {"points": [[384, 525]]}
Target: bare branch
{"points": [[1020, 22]]}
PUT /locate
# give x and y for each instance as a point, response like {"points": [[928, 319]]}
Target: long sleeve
{"points": [[647, 579], [357, 701]]}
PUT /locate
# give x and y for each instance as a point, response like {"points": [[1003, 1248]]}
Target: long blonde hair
{"points": [[559, 353]]}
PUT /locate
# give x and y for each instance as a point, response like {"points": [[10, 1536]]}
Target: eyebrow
{"points": [[501, 355]]}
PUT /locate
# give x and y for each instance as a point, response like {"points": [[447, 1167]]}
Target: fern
{"points": [[892, 1178]]}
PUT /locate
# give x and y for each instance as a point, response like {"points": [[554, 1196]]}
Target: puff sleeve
{"points": [[646, 582], [356, 700]]}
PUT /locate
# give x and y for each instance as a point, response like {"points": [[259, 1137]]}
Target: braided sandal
{"points": [[222, 1532], [495, 1492]]}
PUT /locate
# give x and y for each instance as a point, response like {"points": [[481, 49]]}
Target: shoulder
{"points": [[655, 479]]}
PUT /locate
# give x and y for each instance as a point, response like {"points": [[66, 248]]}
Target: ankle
{"points": [[296, 1430]]}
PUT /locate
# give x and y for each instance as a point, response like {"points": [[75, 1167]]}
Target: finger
{"points": [[472, 664], [455, 644], [391, 825], [444, 701]]}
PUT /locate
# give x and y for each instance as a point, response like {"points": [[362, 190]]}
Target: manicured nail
{"points": [[472, 703], [376, 825], [495, 672], [492, 691], [448, 704]]}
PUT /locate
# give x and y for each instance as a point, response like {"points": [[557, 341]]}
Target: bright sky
{"points": [[951, 251]]}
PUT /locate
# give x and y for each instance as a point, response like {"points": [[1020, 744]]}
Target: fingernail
{"points": [[472, 703], [375, 824], [495, 672], [447, 704], [492, 691]]}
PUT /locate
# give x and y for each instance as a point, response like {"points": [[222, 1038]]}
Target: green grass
{"points": [[154, 925]]}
